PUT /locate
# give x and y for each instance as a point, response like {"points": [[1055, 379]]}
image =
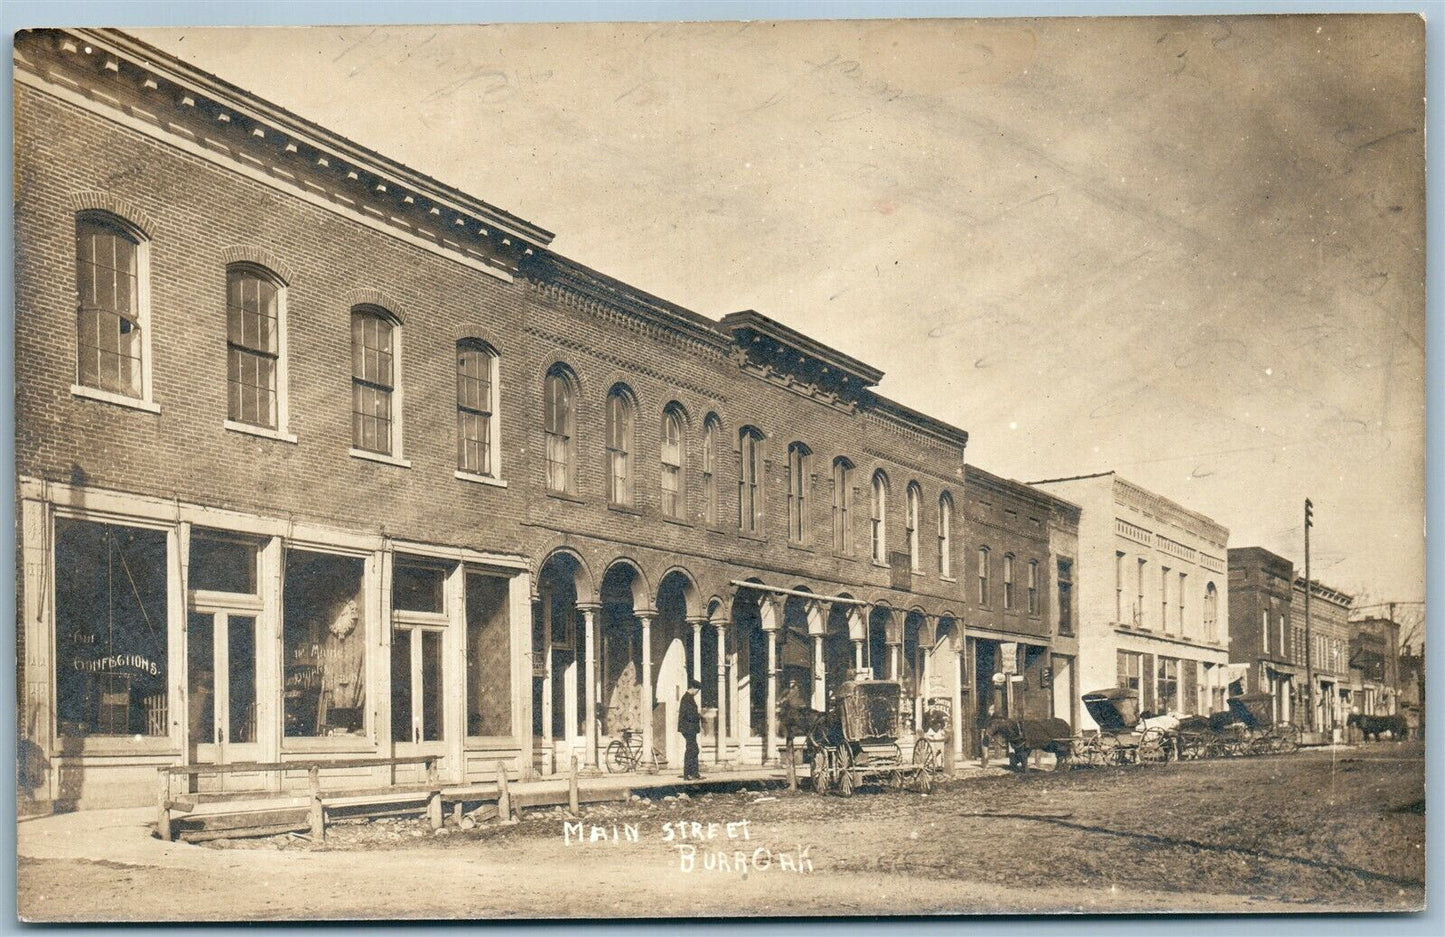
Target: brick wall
{"points": [[197, 210]]}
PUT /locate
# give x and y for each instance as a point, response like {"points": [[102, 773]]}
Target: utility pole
{"points": [[1309, 642]]}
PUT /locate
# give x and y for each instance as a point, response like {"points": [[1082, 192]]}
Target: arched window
{"points": [[1008, 580], [477, 427], [797, 492], [254, 380], [842, 506], [112, 306], [945, 535], [1033, 587], [983, 557], [750, 474], [674, 495], [375, 396], [711, 428], [910, 523], [621, 417], [1211, 613], [559, 394], [880, 517]]}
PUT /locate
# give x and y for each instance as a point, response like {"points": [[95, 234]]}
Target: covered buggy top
{"points": [[1115, 709], [1255, 710]]}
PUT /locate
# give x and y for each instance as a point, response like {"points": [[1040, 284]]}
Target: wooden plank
{"points": [[241, 767], [201, 836], [295, 817], [163, 808]]}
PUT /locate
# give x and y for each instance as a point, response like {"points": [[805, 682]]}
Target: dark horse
{"points": [[1025, 736], [1396, 725]]}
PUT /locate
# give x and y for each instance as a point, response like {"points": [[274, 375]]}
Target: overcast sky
{"points": [[1191, 250]]}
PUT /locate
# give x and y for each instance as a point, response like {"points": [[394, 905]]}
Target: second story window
{"points": [[559, 425], [910, 524], [1008, 580], [1066, 596], [253, 346], [1033, 587], [1211, 612], [374, 409], [621, 417], [673, 494], [842, 506], [111, 315], [710, 431], [880, 517], [476, 408], [797, 492], [945, 535], [750, 475], [983, 558]]}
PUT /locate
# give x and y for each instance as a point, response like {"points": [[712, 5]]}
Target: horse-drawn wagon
{"points": [[857, 740], [1123, 738]]}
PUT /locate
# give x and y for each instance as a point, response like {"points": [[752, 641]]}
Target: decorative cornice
{"points": [[169, 98]]}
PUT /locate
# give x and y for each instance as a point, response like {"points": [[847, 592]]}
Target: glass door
{"points": [[221, 675], [417, 691]]}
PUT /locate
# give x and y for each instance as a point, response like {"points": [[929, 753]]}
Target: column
{"points": [[957, 707], [857, 653], [735, 704], [818, 614], [589, 676], [543, 611], [820, 676], [697, 624], [895, 653], [720, 734], [647, 693], [770, 725]]}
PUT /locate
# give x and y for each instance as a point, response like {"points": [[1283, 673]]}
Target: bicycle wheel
{"points": [[618, 758]]}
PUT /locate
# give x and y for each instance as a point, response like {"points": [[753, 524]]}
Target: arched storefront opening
{"points": [[879, 620], [751, 644], [838, 654], [673, 660], [559, 656], [620, 662]]}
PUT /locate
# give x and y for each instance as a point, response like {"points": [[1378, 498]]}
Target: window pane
{"points": [[110, 630], [431, 680], [222, 565], [401, 689], [241, 673], [489, 657], [418, 588], [324, 643]]}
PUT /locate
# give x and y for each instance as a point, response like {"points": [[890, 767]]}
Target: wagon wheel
{"points": [[1152, 749], [1107, 751], [845, 783], [818, 771], [843, 780], [1289, 740], [925, 754], [923, 783]]}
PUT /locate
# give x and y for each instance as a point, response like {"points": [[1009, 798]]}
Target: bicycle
{"points": [[625, 754]]}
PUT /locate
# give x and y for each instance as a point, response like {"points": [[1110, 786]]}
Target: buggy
{"points": [[1255, 730], [857, 740], [1121, 739]]}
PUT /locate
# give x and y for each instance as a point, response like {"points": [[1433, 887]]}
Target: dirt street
{"points": [[1314, 831]]}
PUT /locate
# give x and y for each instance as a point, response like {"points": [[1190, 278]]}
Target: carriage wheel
{"points": [[925, 754], [1289, 739], [924, 782], [1151, 749], [818, 772], [845, 783]]}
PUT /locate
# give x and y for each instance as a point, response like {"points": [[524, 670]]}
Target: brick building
{"points": [[1329, 651], [1019, 570], [1375, 665], [317, 454], [1261, 626], [1153, 603]]}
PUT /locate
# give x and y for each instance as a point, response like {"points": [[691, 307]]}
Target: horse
{"points": [[796, 718], [1025, 736], [1396, 725]]}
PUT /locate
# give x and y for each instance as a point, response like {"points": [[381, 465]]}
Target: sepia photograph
{"points": [[720, 469]]}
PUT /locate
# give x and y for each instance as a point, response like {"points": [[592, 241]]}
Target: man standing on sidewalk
{"points": [[689, 723]]}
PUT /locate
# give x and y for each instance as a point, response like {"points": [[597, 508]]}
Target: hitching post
{"points": [[572, 797]]}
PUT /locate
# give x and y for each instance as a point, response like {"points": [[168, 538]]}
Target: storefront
{"points": [[163, 633]]}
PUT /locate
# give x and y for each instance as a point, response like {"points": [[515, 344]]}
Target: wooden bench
{"points": [[168, 804]]}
